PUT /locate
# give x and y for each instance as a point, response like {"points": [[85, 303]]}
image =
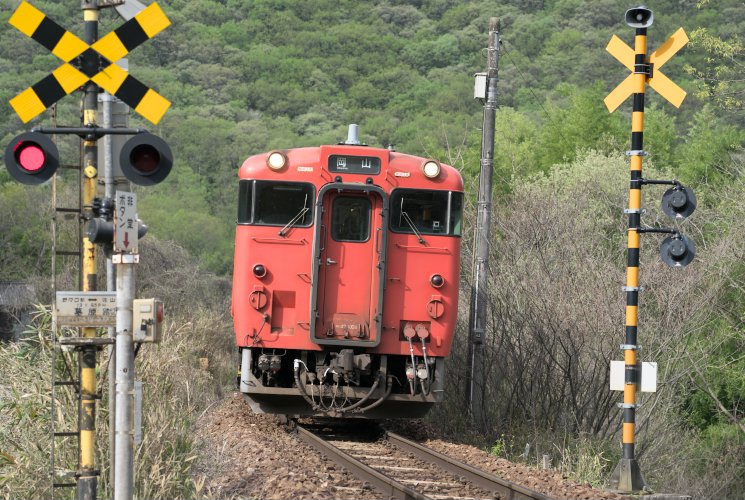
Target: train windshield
{"points": [[427, 212], [269, 203]]}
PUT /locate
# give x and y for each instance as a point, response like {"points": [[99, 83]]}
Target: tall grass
{"points": [[177, 389]]}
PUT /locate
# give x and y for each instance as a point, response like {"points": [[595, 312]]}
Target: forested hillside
{"points": [[245, 76]]}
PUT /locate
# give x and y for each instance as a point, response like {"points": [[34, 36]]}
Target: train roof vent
{"points": [[353, 136]]}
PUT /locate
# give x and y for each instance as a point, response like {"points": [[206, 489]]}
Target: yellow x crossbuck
{"points": [[84, 63], [662, 84]]}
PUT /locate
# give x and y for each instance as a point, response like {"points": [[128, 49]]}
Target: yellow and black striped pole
{"points": [[645, 71], [630, 477], [88, 479]]}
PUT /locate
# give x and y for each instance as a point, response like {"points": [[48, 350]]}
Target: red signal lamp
{"points": [[146, 159], [31, 158]]}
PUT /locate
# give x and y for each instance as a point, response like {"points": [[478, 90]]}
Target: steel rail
{"points": [[489, 482], [386, 485]]}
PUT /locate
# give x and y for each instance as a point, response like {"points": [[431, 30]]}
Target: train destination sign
{"points": [[354, 164], [89, 309]]}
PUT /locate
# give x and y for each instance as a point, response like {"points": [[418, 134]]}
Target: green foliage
{"points": [[185, 215], [577, 120], [705, 158], [720, 78], [247, 76], [24, 230]]}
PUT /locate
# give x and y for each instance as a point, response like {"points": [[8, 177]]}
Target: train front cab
{"points": [[373, 269]]}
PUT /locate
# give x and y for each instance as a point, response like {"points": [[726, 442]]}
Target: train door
{"points": [[350, 253]]}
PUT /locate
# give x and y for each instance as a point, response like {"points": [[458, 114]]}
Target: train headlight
{"points": [[431, 169], [276, 160]]}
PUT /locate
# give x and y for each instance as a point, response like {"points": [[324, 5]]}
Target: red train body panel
{"points": [[345, 285]]}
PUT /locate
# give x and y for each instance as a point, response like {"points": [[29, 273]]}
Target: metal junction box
{"points": [[147, 321], [479, 87]]}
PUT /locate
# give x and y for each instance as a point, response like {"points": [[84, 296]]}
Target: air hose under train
{"points": [[357, 407]]}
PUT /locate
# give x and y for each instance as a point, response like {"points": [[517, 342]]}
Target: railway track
{"points": [[402, 469]]}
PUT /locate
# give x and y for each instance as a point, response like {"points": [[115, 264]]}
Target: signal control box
{"points": [[147, 321]]}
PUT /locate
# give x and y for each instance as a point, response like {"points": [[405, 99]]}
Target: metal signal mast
{"points": [[485, 89]]}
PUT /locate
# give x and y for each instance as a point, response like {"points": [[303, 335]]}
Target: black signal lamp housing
{"points": [[678, 202], [677, 250], [146, 159], [31, 158]]}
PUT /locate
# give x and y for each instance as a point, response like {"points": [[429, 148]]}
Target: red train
{"points": [[345, 283]]}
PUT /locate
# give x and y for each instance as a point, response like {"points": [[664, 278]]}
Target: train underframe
{"points": [[346, 383]]}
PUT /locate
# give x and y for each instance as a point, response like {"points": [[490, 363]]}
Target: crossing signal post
{"points": [[32, 158], [678, 202]]}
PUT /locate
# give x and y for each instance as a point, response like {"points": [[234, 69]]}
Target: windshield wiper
{"points": [[412, 226], [295, 219]]}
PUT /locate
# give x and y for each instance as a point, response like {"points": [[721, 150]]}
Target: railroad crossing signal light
{"points": [[146, 159], [639, 17], [678, 202], [31, 158], [677, 250]]}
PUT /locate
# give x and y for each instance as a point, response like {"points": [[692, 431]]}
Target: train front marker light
{"points": [[31, 158], [259, 270], [678, 202], [437, 280], [146, 159]]}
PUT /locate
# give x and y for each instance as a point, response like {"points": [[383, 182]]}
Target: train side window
{"points": [[269, 203], [429, 212], [456, 214], [245, 202], [350, 219]]}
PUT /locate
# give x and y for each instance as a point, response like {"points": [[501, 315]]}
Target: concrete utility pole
{"points": [[479, 290], [124, 456], [115, 115]]}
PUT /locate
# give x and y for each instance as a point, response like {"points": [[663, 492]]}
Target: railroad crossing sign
{"points": [[84, 63], [655, 78], [126, 225]]}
